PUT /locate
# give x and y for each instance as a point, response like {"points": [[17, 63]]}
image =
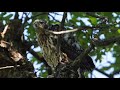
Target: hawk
{"points": [[69, 48], [47, 42]]}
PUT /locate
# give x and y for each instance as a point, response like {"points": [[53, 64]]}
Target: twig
{"points": [[103, 73], [4, 31], [115, 72], [63, 32], [9, 67], [53, 18], [105, 42], [28, 18], [38, 15], [74, 30], [22, 15], [57, 13]]}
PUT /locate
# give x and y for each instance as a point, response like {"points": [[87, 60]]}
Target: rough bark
{"points": [[13, 58], [68, 70]]}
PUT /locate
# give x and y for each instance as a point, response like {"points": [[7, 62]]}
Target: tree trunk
{"points": [[13, 58]]}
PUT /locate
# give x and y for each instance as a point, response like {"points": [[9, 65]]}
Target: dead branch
{"points": [[4, 31], [8, 67]]}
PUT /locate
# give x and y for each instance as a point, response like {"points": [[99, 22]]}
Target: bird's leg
{"points": [[63, 59], [52, 75]]}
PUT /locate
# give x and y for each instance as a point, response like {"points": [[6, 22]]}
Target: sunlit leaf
{"points": [[118, 30], [93, 20]]}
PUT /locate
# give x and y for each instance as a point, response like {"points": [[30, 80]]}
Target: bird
{"points": [[47, 42], [69, 48]]}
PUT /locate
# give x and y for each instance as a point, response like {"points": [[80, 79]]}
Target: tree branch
{"points": [[53, 18], [95, 41], [110, 76], [77, 29], [41, 59], [32, 17], [8, 67], [28, 47], [16, 15], [59, 36], [105, 42], [62, 32], [94, 15], [57, 13], [63, 20], [115, 72], [4, 31], [78, 60], [38, 15]]}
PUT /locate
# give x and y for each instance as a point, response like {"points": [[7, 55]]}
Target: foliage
{"points": [[106, 26]]}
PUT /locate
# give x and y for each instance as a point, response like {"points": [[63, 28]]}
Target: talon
{"points": [[64, 59], [50, 76]]}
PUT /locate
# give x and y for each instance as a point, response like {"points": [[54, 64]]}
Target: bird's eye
{"points": [[41, 22], [36, 25]]}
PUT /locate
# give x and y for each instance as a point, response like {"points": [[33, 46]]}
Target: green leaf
{"points": [[108, 14], [93, 20], [8, 16], [118, 30], [31, 32], [33, 59], [44, 74]]}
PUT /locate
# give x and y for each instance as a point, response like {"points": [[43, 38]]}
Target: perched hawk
{"points": [[48, 43], [69, 48]]}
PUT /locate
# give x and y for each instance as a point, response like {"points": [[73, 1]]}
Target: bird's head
{"points": [[40, 24]]}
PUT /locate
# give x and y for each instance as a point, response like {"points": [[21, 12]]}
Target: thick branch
{"points": [[16, 15], [28, 47], [96, 42], [59, 36], [41, 59], [63, 20], [78, 60], [105, 42]]}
